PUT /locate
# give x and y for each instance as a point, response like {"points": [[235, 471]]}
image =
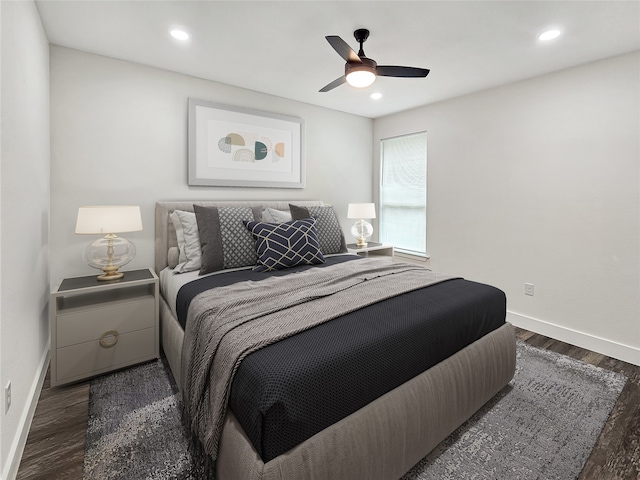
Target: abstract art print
{"points": [[240, 147]]}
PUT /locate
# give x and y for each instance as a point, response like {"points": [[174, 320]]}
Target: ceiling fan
{"points": [[361, 71]]}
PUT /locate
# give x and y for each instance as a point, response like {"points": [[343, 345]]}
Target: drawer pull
{"points": [[110, 333]]}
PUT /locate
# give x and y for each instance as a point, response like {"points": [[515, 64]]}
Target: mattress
{"points": [[289, 391], [171, 283]]}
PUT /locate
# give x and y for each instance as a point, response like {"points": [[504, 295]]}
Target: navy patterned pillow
{"points": [[285, 245]]}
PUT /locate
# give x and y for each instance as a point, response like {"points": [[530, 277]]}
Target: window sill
{"points": [[412, 256]]}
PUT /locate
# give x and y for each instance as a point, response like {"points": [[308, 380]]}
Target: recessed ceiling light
{"points": [[179, 34], [376, 95], [549, 34]]}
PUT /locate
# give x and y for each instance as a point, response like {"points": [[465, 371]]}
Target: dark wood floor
{"points": [[55, 446]]}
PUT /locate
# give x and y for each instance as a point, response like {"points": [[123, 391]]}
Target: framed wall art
{"points": [[240, 147]]}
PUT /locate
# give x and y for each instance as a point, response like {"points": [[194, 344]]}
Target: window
{"points": [[403, 193]]}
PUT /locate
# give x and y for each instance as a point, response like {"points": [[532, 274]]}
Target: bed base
{"points": [[383, 440]]}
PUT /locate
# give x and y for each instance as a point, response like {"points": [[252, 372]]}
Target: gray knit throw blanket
{"points": [[226, 324]]}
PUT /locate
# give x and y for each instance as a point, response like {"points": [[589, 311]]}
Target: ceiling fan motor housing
{"points": [[367, 64]]}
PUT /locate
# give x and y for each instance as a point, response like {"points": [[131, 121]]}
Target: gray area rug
{"points": [[543, 425]]}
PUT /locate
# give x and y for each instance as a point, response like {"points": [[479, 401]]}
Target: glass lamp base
{"points": [[362, 231], [109, 254]]}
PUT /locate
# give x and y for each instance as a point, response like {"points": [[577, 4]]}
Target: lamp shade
{"points": [[361, 210], [108, 219]]}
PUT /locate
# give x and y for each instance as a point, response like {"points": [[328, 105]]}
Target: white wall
{"points": [[24, 243], [119, 136], [539, 182]]}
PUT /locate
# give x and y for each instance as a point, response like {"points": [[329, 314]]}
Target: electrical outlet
{"points": [[528, 289], [7, 398]]}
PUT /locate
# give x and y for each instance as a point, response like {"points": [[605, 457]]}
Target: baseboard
{"points": [[20, 440], [606, 347]]}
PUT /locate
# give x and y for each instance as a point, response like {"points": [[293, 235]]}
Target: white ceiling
{"points": [[279, 47]]}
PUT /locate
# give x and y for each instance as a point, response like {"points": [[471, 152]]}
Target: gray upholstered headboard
{"points": [[166, 234]]}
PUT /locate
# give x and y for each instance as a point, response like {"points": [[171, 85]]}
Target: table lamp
{"points": [[361, 230], [110, 252]]}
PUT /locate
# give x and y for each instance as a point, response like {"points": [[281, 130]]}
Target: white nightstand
{"points": [[99, 326], [372, 249]]}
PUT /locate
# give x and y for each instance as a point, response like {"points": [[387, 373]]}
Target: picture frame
{"points": [[240, 147]]}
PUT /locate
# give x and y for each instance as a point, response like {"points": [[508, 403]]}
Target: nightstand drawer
{"points": [[91, 358], [84, 325]]}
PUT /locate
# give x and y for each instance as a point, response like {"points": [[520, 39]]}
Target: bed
{"points": [[364, 434]]}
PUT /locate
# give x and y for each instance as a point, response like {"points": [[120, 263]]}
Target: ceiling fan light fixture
{"points": [[361, 76]]}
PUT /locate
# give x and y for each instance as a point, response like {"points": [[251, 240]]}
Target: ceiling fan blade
{"points": [[394, 71], [336, 83], [343, 49]]}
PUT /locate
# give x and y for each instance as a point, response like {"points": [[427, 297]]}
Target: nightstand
{"points": [[99, 326], [372, 249]]}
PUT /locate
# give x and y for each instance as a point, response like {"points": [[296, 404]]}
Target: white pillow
{"points": [[173, 257], [177, 224], [271, 215], [187, 224]]}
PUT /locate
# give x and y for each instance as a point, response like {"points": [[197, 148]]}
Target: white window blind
{"points": [[403, 193]]}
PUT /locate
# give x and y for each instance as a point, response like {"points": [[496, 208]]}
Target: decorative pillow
{"points": [[285, 245], [173, 257], [177, 225], [224, 240], [329, 230], [272, 215], [187, 229]]}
